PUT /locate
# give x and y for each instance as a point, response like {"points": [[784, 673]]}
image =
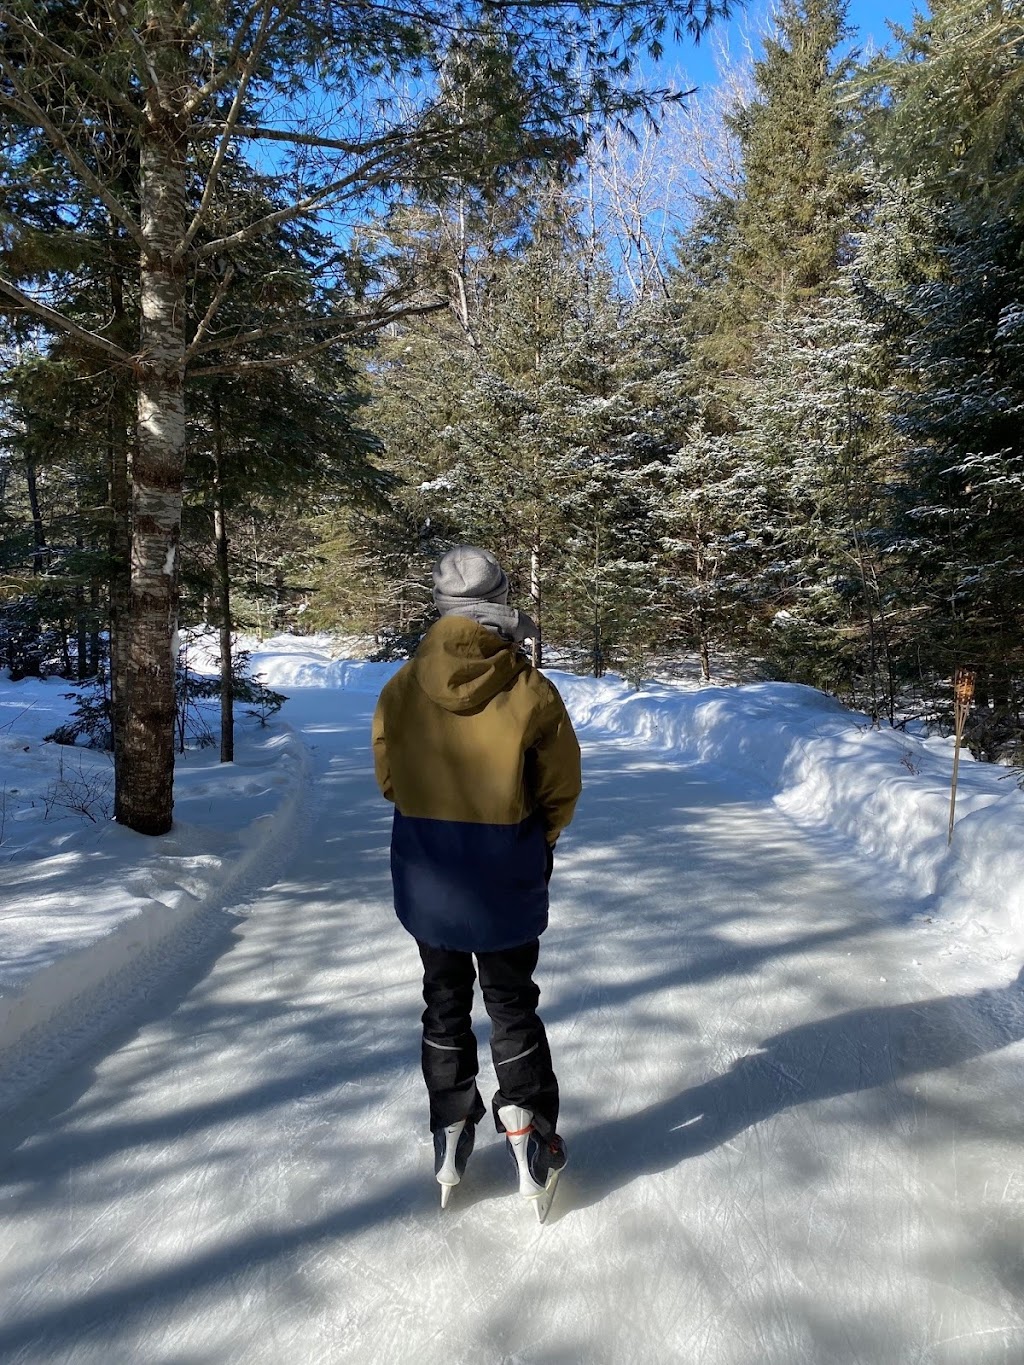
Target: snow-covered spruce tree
{"points": [[961, 510], [375, 574], [459, 247], [608, 406], [501, 486], [793, 205], [711, 515], [813, 425], [560, 430], [759, 276], [951, 119]]}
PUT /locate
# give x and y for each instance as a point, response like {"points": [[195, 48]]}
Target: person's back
{"points": [[477, 752], [483, 767]]}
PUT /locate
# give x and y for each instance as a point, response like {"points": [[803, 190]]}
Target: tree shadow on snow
{"points": [[848, 1053]]}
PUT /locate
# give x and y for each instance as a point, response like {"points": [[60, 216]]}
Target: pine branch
{"points": [[366, 175], [218, 298], [386, 307], [217, 82], [25, 105], [59, 321], [234, 113], [70, 63], [147, 69]]}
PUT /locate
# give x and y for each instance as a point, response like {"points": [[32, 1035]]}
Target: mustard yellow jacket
{"points": [[478, 753]]}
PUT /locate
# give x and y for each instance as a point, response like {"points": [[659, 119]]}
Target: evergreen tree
{"points": [[949, 119], [953, 108], [815, 426], [793, 206], [711, 515], [961, 508]]}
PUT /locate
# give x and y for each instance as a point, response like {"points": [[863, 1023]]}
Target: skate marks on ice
{"points": [[845, 1055], [170, 1202], [247, 1176], [822, 1134]]}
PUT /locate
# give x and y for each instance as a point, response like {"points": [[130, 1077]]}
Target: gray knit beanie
{"points": [[467, 572], [470, 582]]}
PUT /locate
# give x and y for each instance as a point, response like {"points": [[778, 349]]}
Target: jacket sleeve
{"points": [[381, 766], [558, 774]]}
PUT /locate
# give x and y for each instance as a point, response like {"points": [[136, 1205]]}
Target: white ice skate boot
{"points": [[538, 1161], [452, 1148]]}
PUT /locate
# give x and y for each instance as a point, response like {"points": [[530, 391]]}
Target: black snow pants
{"points": [[519, 1045]]}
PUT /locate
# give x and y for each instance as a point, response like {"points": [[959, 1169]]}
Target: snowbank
{"points": [[828, 767], [297, 661], [91, 911]]}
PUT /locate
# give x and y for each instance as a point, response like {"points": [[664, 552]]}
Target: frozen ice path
{"points": [[789, 1143]]}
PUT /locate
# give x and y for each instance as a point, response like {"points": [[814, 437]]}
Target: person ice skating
{"points": [[476, 750]]}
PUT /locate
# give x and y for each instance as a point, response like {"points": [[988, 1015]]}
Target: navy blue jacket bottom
{"points": [[470, 887]]}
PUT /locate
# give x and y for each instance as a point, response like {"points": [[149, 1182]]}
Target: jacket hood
{"points": [[461, 665]]}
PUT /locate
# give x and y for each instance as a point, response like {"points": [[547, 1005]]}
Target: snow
{"points": [[91, 909], [787, 1022], [884, 791]]}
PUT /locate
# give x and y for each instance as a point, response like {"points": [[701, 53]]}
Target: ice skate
{"points": [[538, 1161], [452, 1148]]}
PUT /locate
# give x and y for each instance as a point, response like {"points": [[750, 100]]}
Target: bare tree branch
{"points": [[347, 337], [59, 321], [372, 170], [369, 173], [402, 135], [234, 113], [211, 312], [329, 144], [388, 305]]}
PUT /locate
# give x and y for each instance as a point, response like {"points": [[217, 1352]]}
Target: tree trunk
{"points": [[537, 646], [279, 620], [704, 646], [81, 625], [120, 585], [38, 529], [220, 534], [256, 579], [94, 626], [119, 537], [703, 643], [146, 797]]}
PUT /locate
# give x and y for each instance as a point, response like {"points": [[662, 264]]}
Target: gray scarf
{"points": [[508, 622]]}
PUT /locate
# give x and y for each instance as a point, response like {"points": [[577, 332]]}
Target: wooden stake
{"points": [[963, 695]]}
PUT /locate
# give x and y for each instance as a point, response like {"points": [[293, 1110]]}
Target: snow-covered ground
{"points": [[91, 911], [788, 1026]]}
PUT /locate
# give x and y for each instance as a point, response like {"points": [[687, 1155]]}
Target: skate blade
{"points": [[446, 1194], [542, 1202]]}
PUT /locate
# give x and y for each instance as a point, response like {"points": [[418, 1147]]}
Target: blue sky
{"points": [[866, 17]]}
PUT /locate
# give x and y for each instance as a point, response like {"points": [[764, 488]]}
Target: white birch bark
{"points": [[146, 794]]}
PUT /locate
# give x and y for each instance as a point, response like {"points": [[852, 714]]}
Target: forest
{"points": [[294, 296]]}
